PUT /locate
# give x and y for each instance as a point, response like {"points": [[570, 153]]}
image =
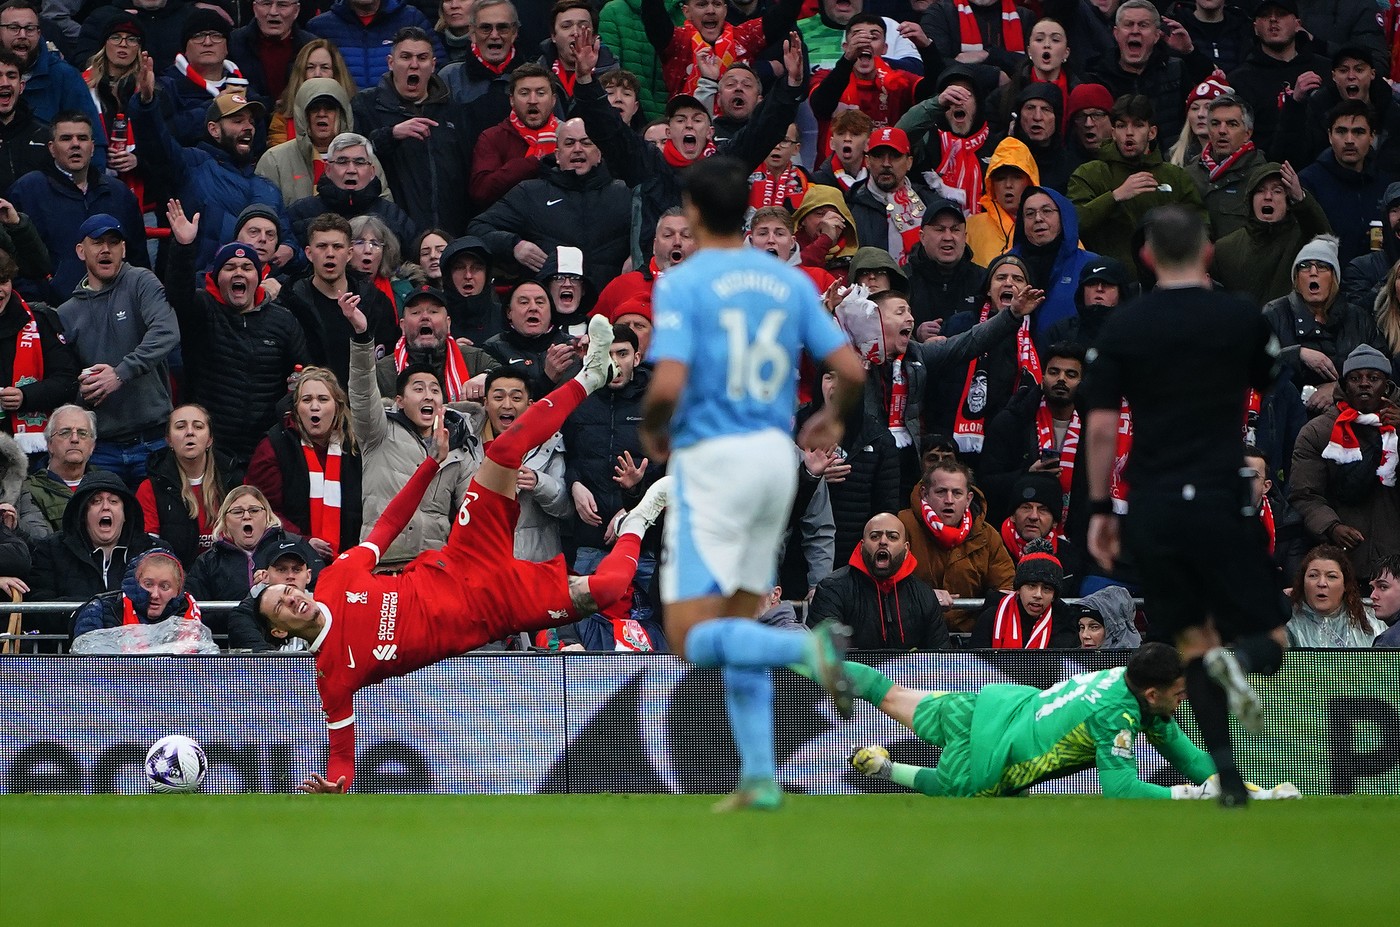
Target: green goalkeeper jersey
{"points": [[1023, 735]]}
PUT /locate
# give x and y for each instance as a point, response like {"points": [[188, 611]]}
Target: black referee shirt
{"points": [[1184, 359]]}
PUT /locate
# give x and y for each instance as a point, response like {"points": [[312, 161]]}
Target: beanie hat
{"points": [[635, 305], [1042, 488], [1039, 565], [1392, 194], [1007, 258], [235, 249], [1365, 357], [1208, 89], [1322, 248], [255, 211], [1088, 96], [124, 24], [203, 20]]}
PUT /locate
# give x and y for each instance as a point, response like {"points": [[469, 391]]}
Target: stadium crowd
{"points": [[197, 195]]}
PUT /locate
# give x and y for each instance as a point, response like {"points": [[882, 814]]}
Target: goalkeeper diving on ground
{"points": [[1006, 738]]}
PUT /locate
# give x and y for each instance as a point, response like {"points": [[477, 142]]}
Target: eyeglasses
{"points": [[346, 162], [502, 28], [1046, 211], [66, 433], [1313, 265], [790, 142], [1092, 115], [17, 29], [121, 38], [208, 36], [253, 510], [370, 243]]}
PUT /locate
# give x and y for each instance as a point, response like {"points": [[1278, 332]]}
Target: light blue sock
{"points": [[740, 642], [748, 694]]}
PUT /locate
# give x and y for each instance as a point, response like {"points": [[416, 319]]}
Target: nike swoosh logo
{"points": [[552, 202], [352, 656]]}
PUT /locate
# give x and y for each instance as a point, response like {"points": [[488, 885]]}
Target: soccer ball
{"points": [[176, 764]]}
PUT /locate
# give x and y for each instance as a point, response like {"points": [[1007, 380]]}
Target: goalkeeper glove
{"points": [[1211, 789], [871, 761]]}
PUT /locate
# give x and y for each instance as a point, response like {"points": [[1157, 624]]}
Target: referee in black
{"points": [[1184, 357]]}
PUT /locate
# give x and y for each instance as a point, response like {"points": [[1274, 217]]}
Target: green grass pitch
{"points": [[872, 861]]}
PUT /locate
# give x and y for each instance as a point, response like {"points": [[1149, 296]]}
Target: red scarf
{"points": [[843, 179], [325, 493], [1253, 403], [961, 167], [211, 286], [786, 189], [567, 77], [899, 399], [723, 49], [386, 286], [905, 211], [1006, 633], [946, 537], [1343, 447], [1027, 359], [497, 69], [540, 141], [455, 368], [1214, 170], [1118, 484], [971, 34], [1015, 546], [182, 65], [673, 155], [630, 637], [28, 427], [1045, 441], [1063, 83], [969, 424], [129, 611], [874, 92], [1266, 514]]}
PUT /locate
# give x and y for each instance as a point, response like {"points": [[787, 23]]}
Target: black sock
{"points": [[1212, 713], [1259, 654]]}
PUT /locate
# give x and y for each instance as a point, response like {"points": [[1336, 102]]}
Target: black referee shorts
{"points": [[1201, 558]]}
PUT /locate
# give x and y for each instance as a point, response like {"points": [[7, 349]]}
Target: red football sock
{"points": [[614, 574], [536, 425]]}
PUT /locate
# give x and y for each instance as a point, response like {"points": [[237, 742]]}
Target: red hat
{"points": [[1208, 89], [1088, 96], [632, 305], [889, 138]]}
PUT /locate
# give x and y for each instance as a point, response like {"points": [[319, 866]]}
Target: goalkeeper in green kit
{"points": [[1006, 738]]}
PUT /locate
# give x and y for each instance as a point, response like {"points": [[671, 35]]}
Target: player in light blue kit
{"points": [[730, 324]]}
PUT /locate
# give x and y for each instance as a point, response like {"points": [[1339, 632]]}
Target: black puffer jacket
{"points": [[236, 364], [108, 610], [602, 428], [527, 352], [898, 613], [592, 212], [939, 293], [175, 526], [224, 572], [368, 200], [428, 177]]}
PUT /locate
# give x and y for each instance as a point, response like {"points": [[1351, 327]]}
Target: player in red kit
{"points": [[365, 627]]}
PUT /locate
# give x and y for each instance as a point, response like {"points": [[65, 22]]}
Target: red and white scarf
{"points": [[497, 69], [630, 637], [970, 34], [455, 370], [961, 167], [969, 424], [1344, 448], [1266, 515], [723, 49], [873, 92], [129, 615], [1118, 483], [843, 179], [899, 399], [904, 212], [213, 88], [945, 536], [1045, 441], [1006, 633], [786, 189], [1253, 403], [540, 141], [1016, 545], [1214, 170], [567, 77], [28, 427], [325, 493]]}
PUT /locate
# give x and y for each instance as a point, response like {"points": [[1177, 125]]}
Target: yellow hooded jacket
{"points": [[991, 233]]}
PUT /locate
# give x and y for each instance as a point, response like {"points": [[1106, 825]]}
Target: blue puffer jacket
{"points": [[54, 86], [1062, 282], [211, 182], [107, 610], [366, 48]]}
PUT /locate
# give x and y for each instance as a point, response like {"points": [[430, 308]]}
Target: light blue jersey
{"points": [[738, 319]]}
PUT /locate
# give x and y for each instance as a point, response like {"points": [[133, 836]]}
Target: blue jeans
{"points": [[127, 461], [586, 564]]}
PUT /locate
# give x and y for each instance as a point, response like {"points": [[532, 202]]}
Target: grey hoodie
{"points": [[290, 165], [1115, 608], [130, 326]]}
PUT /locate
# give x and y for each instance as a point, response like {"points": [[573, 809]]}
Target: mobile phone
{"points": [[1049, 453]]}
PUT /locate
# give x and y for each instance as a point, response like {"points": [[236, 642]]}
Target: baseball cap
{"points": [[1392, 194], [289, 546], [939, 206], [1353, 53], [889, 138], [684, 101], [1106, 270], [425, 292], [1288, 6], [232, 102], [100, 224]]}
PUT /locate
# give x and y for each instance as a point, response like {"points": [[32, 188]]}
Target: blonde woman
{"points": [[111, 79], [184, 485], [245, 526], [308, 466], [317, 58], [1388, 319]]}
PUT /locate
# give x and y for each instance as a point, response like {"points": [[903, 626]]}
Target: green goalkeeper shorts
{"points": [[944, 719]]}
